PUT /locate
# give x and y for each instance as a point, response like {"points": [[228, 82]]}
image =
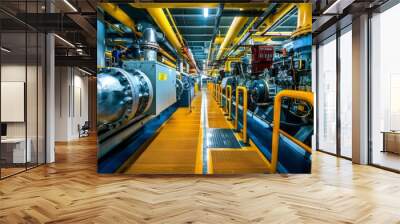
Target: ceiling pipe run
{"points": [[118, 14], [236, 26], [215, 32], [273, 19], [161, 20], [196, 5], [304, 19]]}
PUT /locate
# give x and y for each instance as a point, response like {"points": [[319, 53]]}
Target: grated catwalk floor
{"points": [[180, 148]]}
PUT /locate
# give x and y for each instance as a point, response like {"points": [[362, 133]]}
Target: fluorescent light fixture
{"points": [[65, 41], [337, 7], [205, 12], [70, 5], [86, 72], [5, 50]]}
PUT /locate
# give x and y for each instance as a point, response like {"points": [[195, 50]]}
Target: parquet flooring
{"points": [[70, 191]]}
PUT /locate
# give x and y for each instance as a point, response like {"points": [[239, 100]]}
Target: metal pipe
{"points": [[301, 95], [260, 20], [161, 20], [196, 5], [304, 19], [167, 55], [174, 26], [150, 44], [215, 32], [274, 18], [169, 63], [119, 14], [232, 33]]}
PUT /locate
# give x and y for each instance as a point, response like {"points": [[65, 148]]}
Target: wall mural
{"points": [[204, 88]]}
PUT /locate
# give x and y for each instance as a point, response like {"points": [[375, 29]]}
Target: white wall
{"points": [[33, 127], [71, 102]]}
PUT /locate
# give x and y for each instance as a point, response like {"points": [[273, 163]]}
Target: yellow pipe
{"points": [[161, 20], [220, 39], [169, 63], [228, 66], [271, 20], [197, 5], [108, 54], [233, 59], [167, 55], [174, 25], [116, 12], [301, 95], [236, 41], [260, 39], [304, 19], [236, 26], [244, 90]]}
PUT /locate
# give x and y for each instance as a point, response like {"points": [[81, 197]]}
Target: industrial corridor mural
{"points": [[204, 88]]}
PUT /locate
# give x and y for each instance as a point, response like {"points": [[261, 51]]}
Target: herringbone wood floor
{"points": [[70, 191]]}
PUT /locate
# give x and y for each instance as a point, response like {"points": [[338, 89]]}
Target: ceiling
{"points": [[23, 23], [198, 30]]}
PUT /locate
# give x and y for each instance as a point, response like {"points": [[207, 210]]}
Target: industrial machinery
{"points": [[121, 96], [149, 79], [270, 70], [289, 69], [139, 89]]}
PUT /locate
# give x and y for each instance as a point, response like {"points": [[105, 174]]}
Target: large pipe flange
{"points": [[121, 96]]}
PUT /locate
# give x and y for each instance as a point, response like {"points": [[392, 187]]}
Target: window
{"points": [[327, 95], [346, 92], [385, 89]]}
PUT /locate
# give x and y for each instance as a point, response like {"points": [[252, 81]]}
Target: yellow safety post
{"points": [[228, 106], [220, 95], [196, 88], [301, 95], [216, 92], [244, 90]]}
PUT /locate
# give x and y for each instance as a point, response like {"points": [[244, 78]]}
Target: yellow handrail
{"points": [[217, 93], [301, 95], [228, 105], [244, 90], [220, 95]]}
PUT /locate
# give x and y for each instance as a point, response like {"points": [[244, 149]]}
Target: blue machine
{"points": [[290, 70]]}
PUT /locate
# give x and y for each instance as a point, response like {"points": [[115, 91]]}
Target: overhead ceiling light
{"points": [[5, 50], [65, 41], [337, 7], [70, 5], [84, 71], [205, 12]]}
